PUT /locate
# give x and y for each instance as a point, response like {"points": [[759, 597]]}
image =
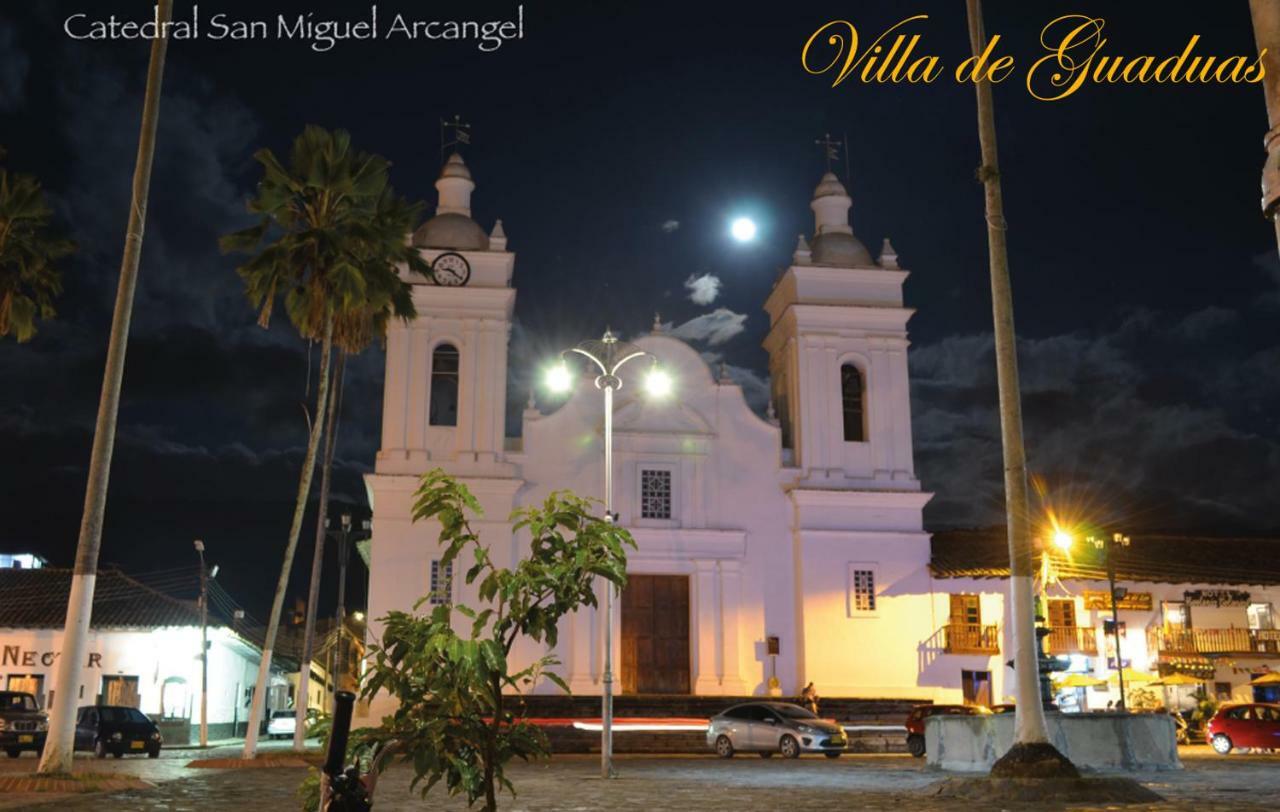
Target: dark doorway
{"points": [[655, 635]]}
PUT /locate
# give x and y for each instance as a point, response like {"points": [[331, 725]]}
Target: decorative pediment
{"points": [[640, 416]]}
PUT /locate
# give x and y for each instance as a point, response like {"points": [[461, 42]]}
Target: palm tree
{"points": [[354, 330], [1031, 752], [75, 638], [330, 246], [29, 282]]}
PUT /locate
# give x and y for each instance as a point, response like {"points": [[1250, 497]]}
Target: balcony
{"points": [[971, 638], [1256, 642], [1071, 640]]}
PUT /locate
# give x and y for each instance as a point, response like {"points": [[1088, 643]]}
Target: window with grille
{"points": [[863, 591], [441, 583], [655, 494]]}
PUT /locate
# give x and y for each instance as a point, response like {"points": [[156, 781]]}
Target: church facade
{"points": [[799, 533]]}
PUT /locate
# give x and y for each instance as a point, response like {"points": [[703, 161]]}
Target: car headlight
{"points": [[117, 736], [2, 723], [155, 737], [806, 729], [42, 725]]}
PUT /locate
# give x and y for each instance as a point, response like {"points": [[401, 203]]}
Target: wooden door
{"points": [[655, 635], [1062, 613]]}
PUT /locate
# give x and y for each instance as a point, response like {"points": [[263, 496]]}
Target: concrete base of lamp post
{"points": [[1091, 741]]}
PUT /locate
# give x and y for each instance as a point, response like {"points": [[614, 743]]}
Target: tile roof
{"points": [[1161, 558], [37, 599]]}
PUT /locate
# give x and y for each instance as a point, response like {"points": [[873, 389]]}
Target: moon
{"points": [[743, 229]]}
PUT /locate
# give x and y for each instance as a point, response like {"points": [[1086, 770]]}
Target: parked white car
{"points": [[281, 725]]}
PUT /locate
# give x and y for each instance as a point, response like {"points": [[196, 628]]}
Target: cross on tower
{"points": [[830, 149], [461, 134]]}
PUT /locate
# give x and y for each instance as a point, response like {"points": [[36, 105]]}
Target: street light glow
{"points": [[1062, 540], [559, 379], [657, 383], [743, 229]]}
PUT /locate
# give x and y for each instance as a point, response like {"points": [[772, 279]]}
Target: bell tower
{"points": [[445, 392], [837, 347]]}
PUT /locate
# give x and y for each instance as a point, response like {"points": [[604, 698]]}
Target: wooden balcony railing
{"points": [[1071, 640], [1264, 642], [971, 638]]}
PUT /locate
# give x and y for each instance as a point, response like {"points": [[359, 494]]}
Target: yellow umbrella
{"points": [[1081, 681], [1175, 679], [1270, 678], [1132, 677]]}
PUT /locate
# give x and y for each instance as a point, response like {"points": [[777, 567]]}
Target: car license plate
{"points": [[137, 745], [26, 739]]}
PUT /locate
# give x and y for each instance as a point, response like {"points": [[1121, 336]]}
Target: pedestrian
{"points": [[809, 698]]}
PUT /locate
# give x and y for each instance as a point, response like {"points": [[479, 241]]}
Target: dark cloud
{"points": [[14, 67], [1145, 445]]}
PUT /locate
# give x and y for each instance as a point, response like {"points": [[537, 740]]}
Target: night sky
{"points": [[615, 142]]}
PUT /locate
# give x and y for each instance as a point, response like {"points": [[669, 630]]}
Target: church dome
{"points": [[451, 230], [839, 248]]}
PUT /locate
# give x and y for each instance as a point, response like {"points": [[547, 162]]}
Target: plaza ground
{"points": [[1209, 782]]}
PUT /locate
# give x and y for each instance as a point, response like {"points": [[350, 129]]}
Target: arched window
{"points": [[851, 396], [444, 386]]}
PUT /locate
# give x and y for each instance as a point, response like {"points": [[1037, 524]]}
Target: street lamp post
{"points": [[609, 355], [344, 537], [204, 646], [1108, 545]]}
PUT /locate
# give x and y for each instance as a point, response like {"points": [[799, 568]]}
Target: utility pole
{"points": [[1108, 545], [204, 647]]}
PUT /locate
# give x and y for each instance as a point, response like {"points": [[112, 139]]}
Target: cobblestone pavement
{"points": [[1209, 782]]}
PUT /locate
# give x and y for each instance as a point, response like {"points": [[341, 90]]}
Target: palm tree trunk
{"points": [[1030, 727], [295, 530], [75, 638], [317, 560]]}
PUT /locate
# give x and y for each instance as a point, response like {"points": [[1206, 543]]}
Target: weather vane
{"points": [[831, 151], [461, 134]]}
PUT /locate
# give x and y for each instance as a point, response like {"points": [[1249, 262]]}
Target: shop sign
{"points": [[33, 658], [1100, 600], [1216, 597]]}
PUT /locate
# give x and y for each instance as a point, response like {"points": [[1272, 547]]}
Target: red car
{"points": [[1254, 725], [915, 722]]}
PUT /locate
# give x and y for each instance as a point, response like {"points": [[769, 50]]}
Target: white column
{"points": [[418, 363], [395, 406], [706, 620], [730, 612]]}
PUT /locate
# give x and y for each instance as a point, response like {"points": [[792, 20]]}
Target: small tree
{"points": [[458, 721]]}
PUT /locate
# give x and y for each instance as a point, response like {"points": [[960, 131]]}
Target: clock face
{"points": [[451, 270]]}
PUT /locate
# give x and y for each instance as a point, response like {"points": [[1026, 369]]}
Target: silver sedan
{"points": [[774, 727]]}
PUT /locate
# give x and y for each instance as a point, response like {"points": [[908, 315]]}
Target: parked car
{"points": [[774, 727], [116, 730], [23, 726], [915, 722], [1253, 725], [281, 725]]}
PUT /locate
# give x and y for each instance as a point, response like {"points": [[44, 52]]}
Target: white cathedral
{"points": [[805, 528], [799, 533]]}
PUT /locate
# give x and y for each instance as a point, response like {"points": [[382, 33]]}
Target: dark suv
{"points": [[23, 726], [116, 730]]}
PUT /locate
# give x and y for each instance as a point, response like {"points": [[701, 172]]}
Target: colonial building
{"points": [[143, 652], [798, 533], [1194, 606]]}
